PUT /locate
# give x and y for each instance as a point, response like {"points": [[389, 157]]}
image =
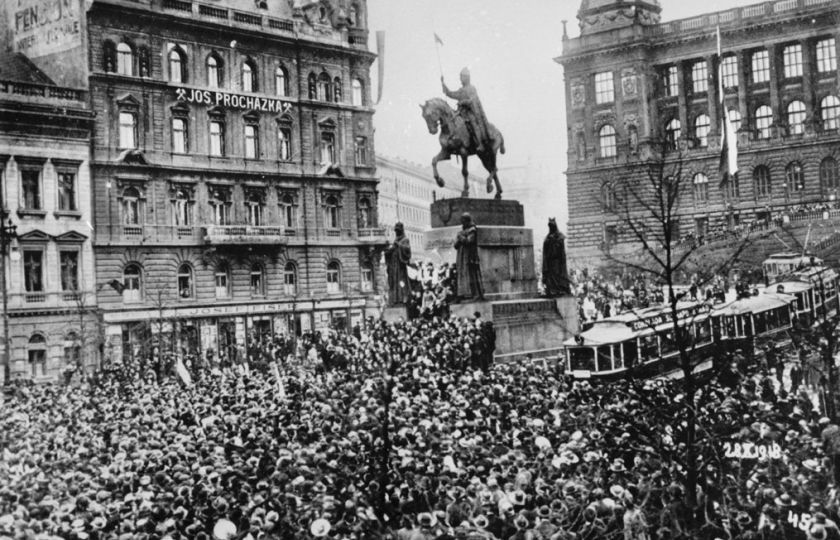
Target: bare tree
{"points": [[646, 203]]}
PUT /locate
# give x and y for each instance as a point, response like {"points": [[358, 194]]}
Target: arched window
{"points": [[287, 203], [257, 280], [702, 125], [36, 352], [701, 188], [313, 86], [829, 174], [290, 279], [222, 280], [830, 112], [358, 93], [794, 176], [761, 182], [333, 277], [185, 281], [367, 277], [324, 87], [284, 142], [177, 65], [255, 209], [132, 283], [796, 118], [131, 206], [215, 71], [365, 218], [281, 81], [249, 76], [763, 121], [109, 57], [337, 90], [606, 141], [125, 59], [331, 213], [182, 209], [673, 131]]}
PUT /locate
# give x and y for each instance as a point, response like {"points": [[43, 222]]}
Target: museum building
{"points": [[632, 80], [233, 171]]}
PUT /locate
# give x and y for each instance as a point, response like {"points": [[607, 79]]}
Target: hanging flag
{"points": [[728, 140], [182, 372], [438, 40], [380, 53], [281, 389]]}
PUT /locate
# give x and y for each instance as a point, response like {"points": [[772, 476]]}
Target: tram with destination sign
{"points": [[641, 341]]}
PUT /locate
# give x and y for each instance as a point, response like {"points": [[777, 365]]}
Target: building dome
{"points": [[600, 15]]}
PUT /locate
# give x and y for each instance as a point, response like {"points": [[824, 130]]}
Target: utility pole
{"points": [[7, 232]]}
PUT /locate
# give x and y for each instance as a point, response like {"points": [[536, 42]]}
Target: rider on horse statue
{"points": [[470, 109]]}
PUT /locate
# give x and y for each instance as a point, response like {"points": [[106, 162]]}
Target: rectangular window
{"points": [[255, 214], [792, 59], [179, 135], [826, 56], [222, 290], [670, 81], [251, 142], [67, 191], [361, 151], [69, 270], [31, 184], [327, 148], [128, 130], [604, 88], [699, 77], [33, 271], [760, 67], [729, 70], [367, 278], [217, 139]]}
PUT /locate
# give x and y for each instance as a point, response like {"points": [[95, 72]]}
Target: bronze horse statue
{"points": [[455, 140]]}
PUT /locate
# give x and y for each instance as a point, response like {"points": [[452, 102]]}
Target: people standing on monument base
{"points": [[397, 261]]}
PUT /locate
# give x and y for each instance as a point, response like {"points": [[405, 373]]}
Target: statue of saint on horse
{"points": [[465, 132]]}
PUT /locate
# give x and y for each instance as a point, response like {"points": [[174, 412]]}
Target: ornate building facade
{"points": [[45, 189], [632, 80], [233, 171]]}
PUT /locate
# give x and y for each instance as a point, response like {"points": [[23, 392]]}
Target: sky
{"points": [[509, 47]]}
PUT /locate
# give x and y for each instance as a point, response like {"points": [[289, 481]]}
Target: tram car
{"points": [[814, 289], [780, 264]]}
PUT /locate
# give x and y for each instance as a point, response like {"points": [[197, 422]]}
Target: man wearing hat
{"points": [[470, 109]]}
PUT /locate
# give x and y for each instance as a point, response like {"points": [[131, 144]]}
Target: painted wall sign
{"points": [[42, 27], [227, 100]]}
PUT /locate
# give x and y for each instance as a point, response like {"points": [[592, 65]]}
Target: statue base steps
{"points": [[527, 328]]}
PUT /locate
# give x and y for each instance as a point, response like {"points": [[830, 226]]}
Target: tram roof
{"points": [[753, 304]]}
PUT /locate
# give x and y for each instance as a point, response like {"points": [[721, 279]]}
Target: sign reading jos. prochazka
{"points": [[216, 98]]}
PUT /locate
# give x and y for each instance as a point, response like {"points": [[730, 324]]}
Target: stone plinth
{"points": [[526, 325], [447, 212]]}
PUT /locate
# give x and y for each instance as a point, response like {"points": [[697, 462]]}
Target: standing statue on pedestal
{"points": [[555, 274], [397, 259], [467, 265], [464, 133]]}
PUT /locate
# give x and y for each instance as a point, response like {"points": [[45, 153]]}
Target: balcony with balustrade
{"points": [[153, 235], [51, 300], [226, 235], [372, 236]]}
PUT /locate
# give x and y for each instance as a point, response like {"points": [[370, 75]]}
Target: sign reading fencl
{"points": [[214, 98], [42, 27]]}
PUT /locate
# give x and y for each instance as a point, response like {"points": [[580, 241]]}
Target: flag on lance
{"points": [[728, 139]]}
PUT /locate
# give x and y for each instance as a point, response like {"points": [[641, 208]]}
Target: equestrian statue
{"points": [[465, 132]]}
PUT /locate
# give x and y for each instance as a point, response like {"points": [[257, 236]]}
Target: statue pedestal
{"points": [[526, 325]]}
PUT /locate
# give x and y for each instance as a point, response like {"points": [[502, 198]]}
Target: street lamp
{"points": [[8, 231]]}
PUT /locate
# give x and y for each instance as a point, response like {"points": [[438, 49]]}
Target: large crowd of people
{"points": [[406, 431]]}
